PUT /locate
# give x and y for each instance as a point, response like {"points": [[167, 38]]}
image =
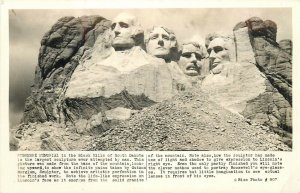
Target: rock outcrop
{"points": [[60, 52], [273, 106], [259, 85], [49, 136], [187, 122], [104, 79], [130, 79], [87, 96], [286, 45], [235, 86]]}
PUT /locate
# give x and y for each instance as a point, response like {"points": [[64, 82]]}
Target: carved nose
{"points": [[160, 42], [117, 30], [212, 54], [117, 33], [193, 58]]}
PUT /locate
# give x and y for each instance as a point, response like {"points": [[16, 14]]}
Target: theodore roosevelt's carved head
{"points": [[190, 61]]}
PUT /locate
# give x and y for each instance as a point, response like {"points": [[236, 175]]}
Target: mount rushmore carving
{"points": [[93, 75]]}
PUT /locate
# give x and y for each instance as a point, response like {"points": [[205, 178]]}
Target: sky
{"points": [[27, 27]]}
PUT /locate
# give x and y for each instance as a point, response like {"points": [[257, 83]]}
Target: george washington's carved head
{"points": [[127, 32]]}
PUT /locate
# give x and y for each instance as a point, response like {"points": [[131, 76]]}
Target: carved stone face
{"points": [[218, 54], [123, 30], [159, 43], [190, 59]]}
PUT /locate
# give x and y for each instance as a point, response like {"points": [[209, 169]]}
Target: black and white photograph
{"points": [[205, 79], [140, 96]]}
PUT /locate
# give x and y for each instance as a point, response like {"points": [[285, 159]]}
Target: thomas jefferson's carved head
{"points": [[160, 41]]}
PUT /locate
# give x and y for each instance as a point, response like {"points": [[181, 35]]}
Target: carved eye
{"points": [[218, 49], [165, 37], [209, 50], [124, 25], [198, 56], [153, 37], [113, 26], [187, 55]]}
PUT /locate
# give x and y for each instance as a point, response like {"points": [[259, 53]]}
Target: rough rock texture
{"points": [[60, 52], [240, 82], [235, 86], [135, 71], [53, 144], [49, 136], [188, 121], [272, 107], [244, 53], [103, 80], [286, 45], [85, 108], [259, 85], [258, 27], [86, 96], [131, 79], [276, 64]]}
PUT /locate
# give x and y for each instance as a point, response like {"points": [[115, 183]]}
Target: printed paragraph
{"points": [[141, 167]]}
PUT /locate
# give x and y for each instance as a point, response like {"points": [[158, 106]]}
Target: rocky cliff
{"points": [[258, 82], [188, 122], [79, 75], [86, 96], [61, 49], [130, 79], [274, 106]]}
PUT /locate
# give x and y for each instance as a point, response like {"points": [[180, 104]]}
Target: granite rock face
{"points": [[130, 100], [257, 82], [80, 75], [235, 86], [286, 45], [258, 27], [131, 79], [256, 43], [187, 122], [60, 52]]}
